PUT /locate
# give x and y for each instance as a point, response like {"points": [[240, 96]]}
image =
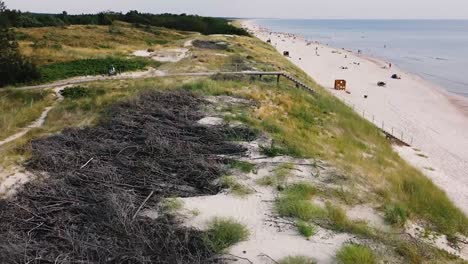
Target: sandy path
{"points": [[412, 105], [36, 123]]}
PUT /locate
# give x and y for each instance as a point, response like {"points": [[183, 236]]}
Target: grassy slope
{"points": [[56, 44], [64, 52], [317, 126]]}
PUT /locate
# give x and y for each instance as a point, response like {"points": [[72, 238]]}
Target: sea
{"points": [[436, 50]]}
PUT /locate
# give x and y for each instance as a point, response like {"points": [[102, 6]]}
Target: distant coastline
{"points": [[433, 49]]}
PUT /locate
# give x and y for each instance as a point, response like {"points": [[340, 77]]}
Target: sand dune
{"points": [[435, 121]]}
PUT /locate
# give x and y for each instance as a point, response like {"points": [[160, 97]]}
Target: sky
{"points": [[313, 9]]}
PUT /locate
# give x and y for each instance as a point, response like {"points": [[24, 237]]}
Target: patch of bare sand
{"points": [[12, 179], [269, 234], [439, 241], [164, 55]]}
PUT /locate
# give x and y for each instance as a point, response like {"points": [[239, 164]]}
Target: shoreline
{"points": [[436, 118]]}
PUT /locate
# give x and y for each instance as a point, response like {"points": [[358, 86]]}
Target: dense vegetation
{"points": [[63, 70], [204, 25], [13, 66]]}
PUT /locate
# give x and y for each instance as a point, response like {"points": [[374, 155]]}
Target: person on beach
{"points": [[390, 65]]}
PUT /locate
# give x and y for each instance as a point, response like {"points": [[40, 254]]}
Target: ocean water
{"points": [[436, 50]]}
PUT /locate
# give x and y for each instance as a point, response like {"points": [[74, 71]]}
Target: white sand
{"points": [[269, 234], [436, 120], [166, 55], [437, 240], [211, 121]]}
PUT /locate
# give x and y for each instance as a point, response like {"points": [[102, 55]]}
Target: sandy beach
{"points": [[432, 120]]}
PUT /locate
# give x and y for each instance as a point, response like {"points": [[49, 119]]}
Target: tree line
{"points": [[14, 68], [204, 25]]}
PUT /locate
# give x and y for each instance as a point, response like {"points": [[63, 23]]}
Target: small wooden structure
{"points": [[340, 84]]}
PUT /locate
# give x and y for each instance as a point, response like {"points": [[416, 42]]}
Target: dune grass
{"points": [[356, 254], [19, 108], [279, 177], [223, 233], [306, 229], [297, 260], [395, 214], [243, 166], [49, 45], [235, 187], [295, 202], [340, 222], [322, 127], [171, 205]]}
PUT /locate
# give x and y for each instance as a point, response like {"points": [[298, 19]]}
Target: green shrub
{"points": [[243, 166], [306, 229], [294, 201], [273, 150], [340, 222], [235, 187], [223, 233], [281, 173], [63, 70], [81, 92], [395, 214], [297, 260], [300, 191], [409, 252], [356, 254], [171, 205]]}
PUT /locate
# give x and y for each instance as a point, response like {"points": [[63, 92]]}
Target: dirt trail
{"points": [[84, 79], [38, 122]]}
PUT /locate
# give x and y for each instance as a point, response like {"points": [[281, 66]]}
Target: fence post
{"points": [[411, 140], [383, 125], [401, 135], [392, 131], [372, 118]]}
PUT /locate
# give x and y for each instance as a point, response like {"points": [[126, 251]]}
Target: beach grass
{"points": [[339, 135], [48, 45], [306, 229], [353, 254], [243, 166], [340, 222], [395, 214], [297, 260], [171, 205], [279, 177], [223, 233], [235, 187], [295, 201]]}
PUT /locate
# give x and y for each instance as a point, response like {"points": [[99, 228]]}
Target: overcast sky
{"points": [[388, 9]]}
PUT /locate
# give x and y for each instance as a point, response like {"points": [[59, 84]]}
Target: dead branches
{"points": [[86, 211]]}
